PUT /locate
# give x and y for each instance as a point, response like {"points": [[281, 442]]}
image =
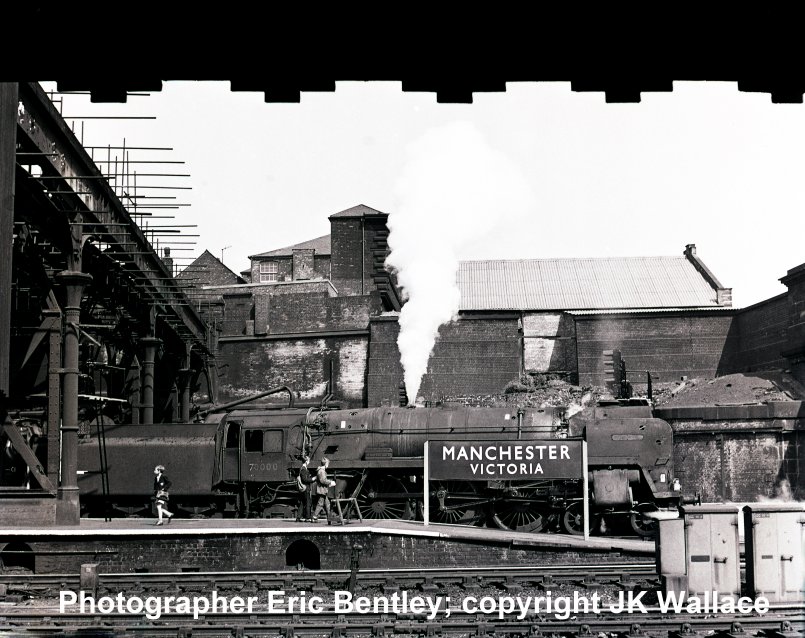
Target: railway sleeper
{"points": [[736, 630], [470, 583], [391, 585], [636, 631], [786, 630], [534, 631], [320, 587], [590, 581], [512, 585], [626, 582], [686, 631], [427, 585]]}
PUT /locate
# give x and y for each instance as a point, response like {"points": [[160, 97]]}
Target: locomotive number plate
{"points": [[262, 467]]}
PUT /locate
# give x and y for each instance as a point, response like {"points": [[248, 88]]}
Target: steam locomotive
{"points": [[243, 462]]}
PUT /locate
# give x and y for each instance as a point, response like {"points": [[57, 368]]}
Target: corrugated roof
{"points": [[583, 284], [361, 210], [321, 245]]}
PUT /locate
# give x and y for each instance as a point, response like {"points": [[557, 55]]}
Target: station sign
{"points": [[505, 460]]}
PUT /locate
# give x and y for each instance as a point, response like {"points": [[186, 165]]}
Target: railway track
{"points": [[780, 623], [625, 575]]}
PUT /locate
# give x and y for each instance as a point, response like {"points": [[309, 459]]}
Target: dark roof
{"points": [[361, 210], [321, 245], [583, 284]]}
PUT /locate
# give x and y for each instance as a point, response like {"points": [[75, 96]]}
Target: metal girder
{"points": [[41, 129], [30, 458]]}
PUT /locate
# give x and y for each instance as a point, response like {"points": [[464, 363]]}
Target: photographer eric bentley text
{"points": [[276, 601]]}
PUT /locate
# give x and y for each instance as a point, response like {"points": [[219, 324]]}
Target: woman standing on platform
{"points": [[161, 486]]}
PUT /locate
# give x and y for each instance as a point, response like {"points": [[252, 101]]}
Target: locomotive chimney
{"points": [[403, 395]]}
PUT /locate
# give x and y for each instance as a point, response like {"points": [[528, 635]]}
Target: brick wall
{"points": [[761, 336], [667, 344], [207, 270], [738, 453], [549, 343], [28, 511], [254, 365], [471, 356], [269, 551], [795, 348], [301, 312], [237, 312], [303, 263], [348, 249]]}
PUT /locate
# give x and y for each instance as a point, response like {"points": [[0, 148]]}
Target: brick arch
{"points": [[303, 554]]}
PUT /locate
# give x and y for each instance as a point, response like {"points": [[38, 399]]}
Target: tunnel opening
{"points": [[17, 555], [303, 554]]}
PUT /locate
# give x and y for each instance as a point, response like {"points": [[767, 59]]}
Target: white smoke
{"points": [[453, 189]]}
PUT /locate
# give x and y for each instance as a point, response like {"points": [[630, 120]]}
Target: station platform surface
{"points": [[139, 527]]}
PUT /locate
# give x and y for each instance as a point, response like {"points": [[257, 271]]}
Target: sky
{"points": [[704, 164]]}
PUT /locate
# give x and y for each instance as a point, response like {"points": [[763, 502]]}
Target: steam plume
{"points": [[453, 190]]}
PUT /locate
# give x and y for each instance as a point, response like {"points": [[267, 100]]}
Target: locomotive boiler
{"points": [[243, 462]]}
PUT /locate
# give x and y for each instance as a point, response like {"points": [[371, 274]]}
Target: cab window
{"points": [[232, 434], [272, 441], [253, 441]]}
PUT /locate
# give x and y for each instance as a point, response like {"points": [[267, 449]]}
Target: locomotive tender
{"points": [[243, 462]]}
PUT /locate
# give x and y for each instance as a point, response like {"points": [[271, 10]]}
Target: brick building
{"points": [[322, 316], [300, 315], [558, 315]]}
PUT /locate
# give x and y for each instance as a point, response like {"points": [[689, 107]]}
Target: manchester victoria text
{"points": [[503, 457]]}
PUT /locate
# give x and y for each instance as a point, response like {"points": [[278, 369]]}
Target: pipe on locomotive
{"points": [[225, 406]]}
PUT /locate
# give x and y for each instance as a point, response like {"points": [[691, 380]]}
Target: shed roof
{"points": [[321, 245], [583, 284]]}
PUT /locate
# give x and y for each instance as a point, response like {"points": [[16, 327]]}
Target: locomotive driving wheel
{"points": [[573, 519], [384, 497], [523, 510], [641, 526], [456, 503]]}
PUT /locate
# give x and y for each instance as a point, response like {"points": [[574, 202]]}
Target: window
{"points": [[232, 434], [263, 441], [272, 441], [253, 441], [268, 271]]}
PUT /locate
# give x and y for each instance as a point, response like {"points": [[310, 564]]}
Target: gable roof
{"points": [[202, 262], [361, 210], [583, 284], [321, 245]]}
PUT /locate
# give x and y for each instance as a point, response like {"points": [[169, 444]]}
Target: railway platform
{"points": [[134, 544]]}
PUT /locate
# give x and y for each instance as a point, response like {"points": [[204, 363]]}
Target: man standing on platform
{"points": [[303, 483], [323, 485]]}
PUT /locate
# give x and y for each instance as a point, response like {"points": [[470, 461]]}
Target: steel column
{"points": [[150, 347], [54, 393], [184, 388], [8, 142], [68, 509]]}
